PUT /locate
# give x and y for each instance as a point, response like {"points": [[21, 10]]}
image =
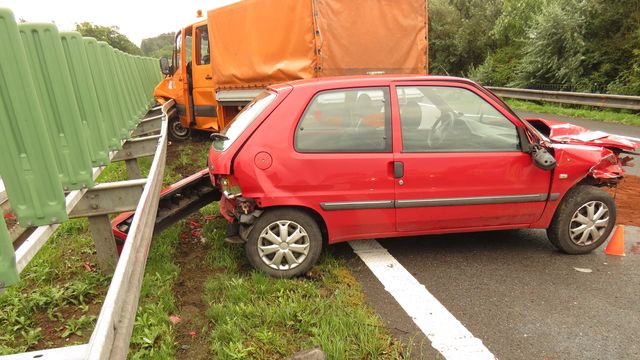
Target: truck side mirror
{"points": [[542, 158], [165, 68]]}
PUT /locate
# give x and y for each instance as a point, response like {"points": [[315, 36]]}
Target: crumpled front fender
{"points": [[609, 167]]}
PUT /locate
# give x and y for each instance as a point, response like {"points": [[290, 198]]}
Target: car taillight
{"points": [[230, 187]]}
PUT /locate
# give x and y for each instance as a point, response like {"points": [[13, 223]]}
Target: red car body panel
{"points": [[307, 180]]}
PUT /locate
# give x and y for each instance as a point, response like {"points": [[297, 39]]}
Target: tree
{"points": [[109, 34], [555, 50], [159, 46], [459, 34]]}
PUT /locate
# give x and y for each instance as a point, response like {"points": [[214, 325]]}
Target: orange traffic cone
{"points": [[616, 244]]}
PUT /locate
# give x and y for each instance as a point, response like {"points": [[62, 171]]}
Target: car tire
{"points": [[267, 251], [177, 132], [583, 221]]}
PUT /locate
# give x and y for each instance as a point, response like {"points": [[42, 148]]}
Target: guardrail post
{"points": [[8, 271], [106, 251], [133, 169]]}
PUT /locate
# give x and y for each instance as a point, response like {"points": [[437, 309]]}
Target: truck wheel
{"points": [[177, 132], [583, 221], [284, 243]]}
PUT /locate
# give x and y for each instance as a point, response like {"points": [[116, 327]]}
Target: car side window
{"points": [[452, 119], [348, 120]]}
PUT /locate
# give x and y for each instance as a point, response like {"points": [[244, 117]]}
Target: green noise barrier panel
{"points": [[27, 165], [85, 91], [66, 102], [114, 83], [60, 109], [8, 271], [105, 96]]}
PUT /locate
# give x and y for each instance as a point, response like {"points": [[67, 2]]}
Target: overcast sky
{"points": [[137, 19]]}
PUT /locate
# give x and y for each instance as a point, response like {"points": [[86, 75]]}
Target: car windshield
{"points": [[242, 121]]}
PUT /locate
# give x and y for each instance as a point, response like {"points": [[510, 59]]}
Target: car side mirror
{"points": [[165, 68], [542, 158]]}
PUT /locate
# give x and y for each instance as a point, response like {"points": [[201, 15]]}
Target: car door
{"points": [[342, 161], [204, 104], [459, 163]]}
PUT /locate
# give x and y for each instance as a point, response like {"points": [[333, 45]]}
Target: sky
{"points": [[137, 19]]}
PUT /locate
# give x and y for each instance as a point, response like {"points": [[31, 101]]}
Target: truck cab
{"points": [[190, 83]]}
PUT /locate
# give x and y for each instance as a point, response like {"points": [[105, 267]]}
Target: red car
{"points": [[322, 161]]}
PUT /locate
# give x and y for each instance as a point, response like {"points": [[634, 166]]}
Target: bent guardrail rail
{"points": [[563, 97], [69, 106]]}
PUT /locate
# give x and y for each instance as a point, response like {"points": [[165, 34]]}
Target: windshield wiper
{"points": [[218, 137]]}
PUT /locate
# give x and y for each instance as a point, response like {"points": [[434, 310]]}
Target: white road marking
{"points": [[446, 333]]}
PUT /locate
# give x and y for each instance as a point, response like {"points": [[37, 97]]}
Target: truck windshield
{"points": [[242, 121]]}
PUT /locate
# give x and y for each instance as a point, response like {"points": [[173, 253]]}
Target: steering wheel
{"points": [[440, 129]]}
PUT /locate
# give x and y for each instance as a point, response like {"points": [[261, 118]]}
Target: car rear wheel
{"points": [[284, 243], [177, 132], [583, 221]]}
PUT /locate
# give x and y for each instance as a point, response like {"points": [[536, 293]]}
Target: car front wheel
{"points": [[583, 221], [284, 243]]}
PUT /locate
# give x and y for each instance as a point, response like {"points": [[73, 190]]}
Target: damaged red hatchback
{"points": [[322, 161]]}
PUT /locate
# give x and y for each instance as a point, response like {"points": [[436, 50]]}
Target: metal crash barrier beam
{"points": [[564, 97], [112, 334]]}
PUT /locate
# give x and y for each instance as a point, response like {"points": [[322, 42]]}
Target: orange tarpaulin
{"points": [[261, 42]]}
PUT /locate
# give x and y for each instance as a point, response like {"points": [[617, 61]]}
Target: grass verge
{"points": [[227, 310], [622, 116]]}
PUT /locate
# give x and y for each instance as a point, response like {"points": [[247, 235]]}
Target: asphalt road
{"points": [[608, 127], [515, 292], [520, 296]]}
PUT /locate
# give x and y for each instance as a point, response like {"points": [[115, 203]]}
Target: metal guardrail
{"points": [[111, 336], [563, 97], [69, 106]]}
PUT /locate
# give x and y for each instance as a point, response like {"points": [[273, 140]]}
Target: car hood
{"points": [[565, 133]]}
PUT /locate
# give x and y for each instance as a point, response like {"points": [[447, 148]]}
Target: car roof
{"points": [[364, 80]]}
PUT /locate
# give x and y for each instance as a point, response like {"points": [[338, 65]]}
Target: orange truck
{"points": [[222, 62]]}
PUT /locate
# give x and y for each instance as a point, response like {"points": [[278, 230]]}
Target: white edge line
{"points": [[446, 333]]}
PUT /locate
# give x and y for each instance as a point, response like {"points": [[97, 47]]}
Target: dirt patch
{"points": [[627, 196], [53, 329], [191, 332], [187, 157]]}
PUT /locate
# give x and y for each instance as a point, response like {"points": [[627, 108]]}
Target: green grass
{"points": [[622, 116], [152, 334], [255, 316], [248, 314], [56, 291], [57, 301]]}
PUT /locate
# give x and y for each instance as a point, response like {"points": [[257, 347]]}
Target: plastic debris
{"points": [[583, 270], [175, 319]]}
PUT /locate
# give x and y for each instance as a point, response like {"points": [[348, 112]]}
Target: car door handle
{"points": [[398, 169], [208, 77]]}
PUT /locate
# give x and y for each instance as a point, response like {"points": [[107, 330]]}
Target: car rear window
{"points": [[242, 121], [347, 120]]}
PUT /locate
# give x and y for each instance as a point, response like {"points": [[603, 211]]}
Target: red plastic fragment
{"points": [[87, 266], [193, 333], [175, 319], [9, 216]]}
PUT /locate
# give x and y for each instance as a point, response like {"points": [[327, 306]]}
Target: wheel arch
{"points": [[315, 215]]}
